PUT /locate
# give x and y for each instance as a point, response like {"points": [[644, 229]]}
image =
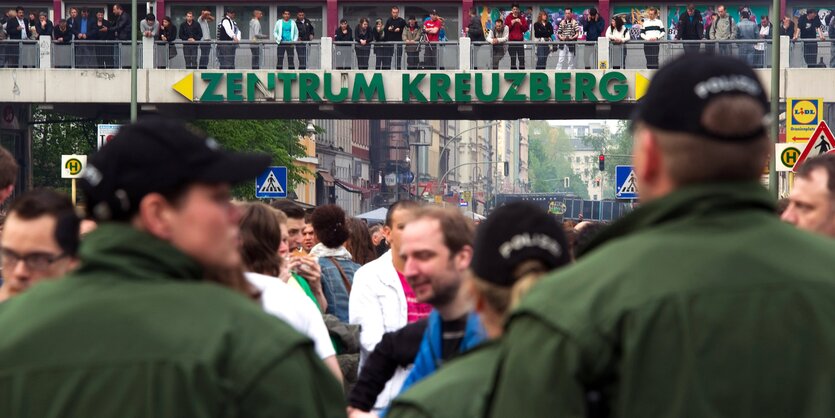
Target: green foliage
{"points": [[55, 134], [278, 138], [618, 151], [550, 153]]}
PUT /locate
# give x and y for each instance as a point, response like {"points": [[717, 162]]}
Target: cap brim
{"points": [[235, 168]]}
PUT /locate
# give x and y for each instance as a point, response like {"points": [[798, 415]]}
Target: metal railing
{"points": [[384, 55], [534, 55], [19, 54], [634, 54], [812, 54], [649, 54]]}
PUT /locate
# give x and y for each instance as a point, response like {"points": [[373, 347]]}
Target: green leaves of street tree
{"points": [[550, 152]]}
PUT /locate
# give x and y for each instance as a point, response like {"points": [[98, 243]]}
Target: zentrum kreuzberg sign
{"points": [[325, 87]]}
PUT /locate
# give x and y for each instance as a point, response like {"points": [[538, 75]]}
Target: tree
{"points": [[550, 153], [617, 147], [55, 134]]}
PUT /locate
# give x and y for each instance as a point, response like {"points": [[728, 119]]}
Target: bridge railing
{"points": [[325, 54]]}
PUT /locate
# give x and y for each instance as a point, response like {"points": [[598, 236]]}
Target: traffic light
{"points": [[601, 162], [506, 168]]}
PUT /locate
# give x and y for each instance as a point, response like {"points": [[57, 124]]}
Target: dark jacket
{"points": [[192, 31], [75, 25], [390, 29], [379, 35], [170, 34], [12, 32], [475, 30], [122, 27], [44, 31], [347, 36], [690, 31], [146, 335], [368, 36], [65, 35], [306, 31], [594, 29], [541, 30], [97, 34], [395, 349]]}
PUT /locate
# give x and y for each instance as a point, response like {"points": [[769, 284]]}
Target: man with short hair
{"points": [[286, 32], [308, 268], [122, 26], [295, 221], [747, 30], [812, 200], [229, 35], [39, 242], [517, 25], [382, 301], [436, 248], [691, 28], [80, 27], [206, 41], [140, 307], [256, 36], [811, 30], [8, 174], [308, 236], [149, 27], [567, 33], [190, 33], [652, 31], [306, 34], [723, 29], [497, 38], [394, 33], [686, 289], [432, 29]]}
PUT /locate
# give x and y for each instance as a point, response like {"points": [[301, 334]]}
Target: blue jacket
{"points": [[429, 355], [332, 285], [594, 29]]}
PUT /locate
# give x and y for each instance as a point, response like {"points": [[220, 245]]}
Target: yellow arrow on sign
{"points": [[185, 87], [641, 86]]}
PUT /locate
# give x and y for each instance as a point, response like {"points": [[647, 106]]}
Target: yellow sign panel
{"points": [[802, 118], [185, 87], [641, 86]]}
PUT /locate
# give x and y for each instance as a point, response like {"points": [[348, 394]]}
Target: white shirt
{"points": [[615, 35], [231, 28], [204, 26], [279, 300]]}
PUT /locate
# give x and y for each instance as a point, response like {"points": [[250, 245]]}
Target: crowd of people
{"points": [[168, 297]]}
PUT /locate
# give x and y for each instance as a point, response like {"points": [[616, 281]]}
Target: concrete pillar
{"points": [[464, 55], [147, 53], [45, 46], [327, 53], [785, 51], [603, 53]]}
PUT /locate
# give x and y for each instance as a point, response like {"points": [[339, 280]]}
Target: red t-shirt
{"points": [[516, 31], [415, 310], [431, 24]]}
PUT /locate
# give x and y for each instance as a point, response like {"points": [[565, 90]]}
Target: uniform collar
{"points": [[691, 201]]}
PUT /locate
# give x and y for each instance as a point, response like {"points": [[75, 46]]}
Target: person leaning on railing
{"points": [[411, 38], [44, 27], [652, 31], [102, 32], [691, 27], [498, 38], [190, 33], [364, 37], [747, 30], [168, 35], [381, 52], [618, 35], [543, 34], [763, 33]]}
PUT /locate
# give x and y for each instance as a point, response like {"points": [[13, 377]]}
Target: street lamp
{"points": [[455, 138]]}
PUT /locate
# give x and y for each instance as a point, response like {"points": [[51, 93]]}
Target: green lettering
{"points": [[308, 84], [234, 87], [584, 85], [562, 87], [494, 88], [540, 90], [271, 82], [364, 88], [287, 80], [463, 88], [620, 87], [252, 81], [329, 96], [512, 94], [214, 81], [439, 87], [410, 88]]}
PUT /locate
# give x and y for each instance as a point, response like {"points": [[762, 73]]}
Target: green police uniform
{"points": [[701, 304], [135, 332], [460, 389]]}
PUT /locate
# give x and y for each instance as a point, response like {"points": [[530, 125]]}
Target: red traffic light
{"points": [[602, 162]]}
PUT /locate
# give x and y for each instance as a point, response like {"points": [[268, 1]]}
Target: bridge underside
{"points": [[434, 111]]}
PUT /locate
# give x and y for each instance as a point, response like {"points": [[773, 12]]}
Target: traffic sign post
{"points": [[72, 167], [820, 142], [272, 183], [626, 186], [802, 117]]}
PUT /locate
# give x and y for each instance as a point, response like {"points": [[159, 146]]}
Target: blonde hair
{"points": [[503, 299]]}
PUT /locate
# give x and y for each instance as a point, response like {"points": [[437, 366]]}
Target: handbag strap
{"points": [[345, 280]]}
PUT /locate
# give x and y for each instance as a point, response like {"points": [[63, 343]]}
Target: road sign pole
{"points": [[775, 96], [74, 193]]}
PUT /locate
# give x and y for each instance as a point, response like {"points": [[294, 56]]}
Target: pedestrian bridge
{"points": [[462, 90]]}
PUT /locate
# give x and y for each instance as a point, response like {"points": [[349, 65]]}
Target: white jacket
{"points": [[378, 304]]}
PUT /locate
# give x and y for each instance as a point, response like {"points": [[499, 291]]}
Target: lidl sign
{"points": [[802, 118], [481, 87]]}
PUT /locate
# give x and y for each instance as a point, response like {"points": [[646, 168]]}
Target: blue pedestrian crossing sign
{"points": [[272, 183], [626, 185]]}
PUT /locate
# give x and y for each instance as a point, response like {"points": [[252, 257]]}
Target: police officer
{"points": [[686, 306]]}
